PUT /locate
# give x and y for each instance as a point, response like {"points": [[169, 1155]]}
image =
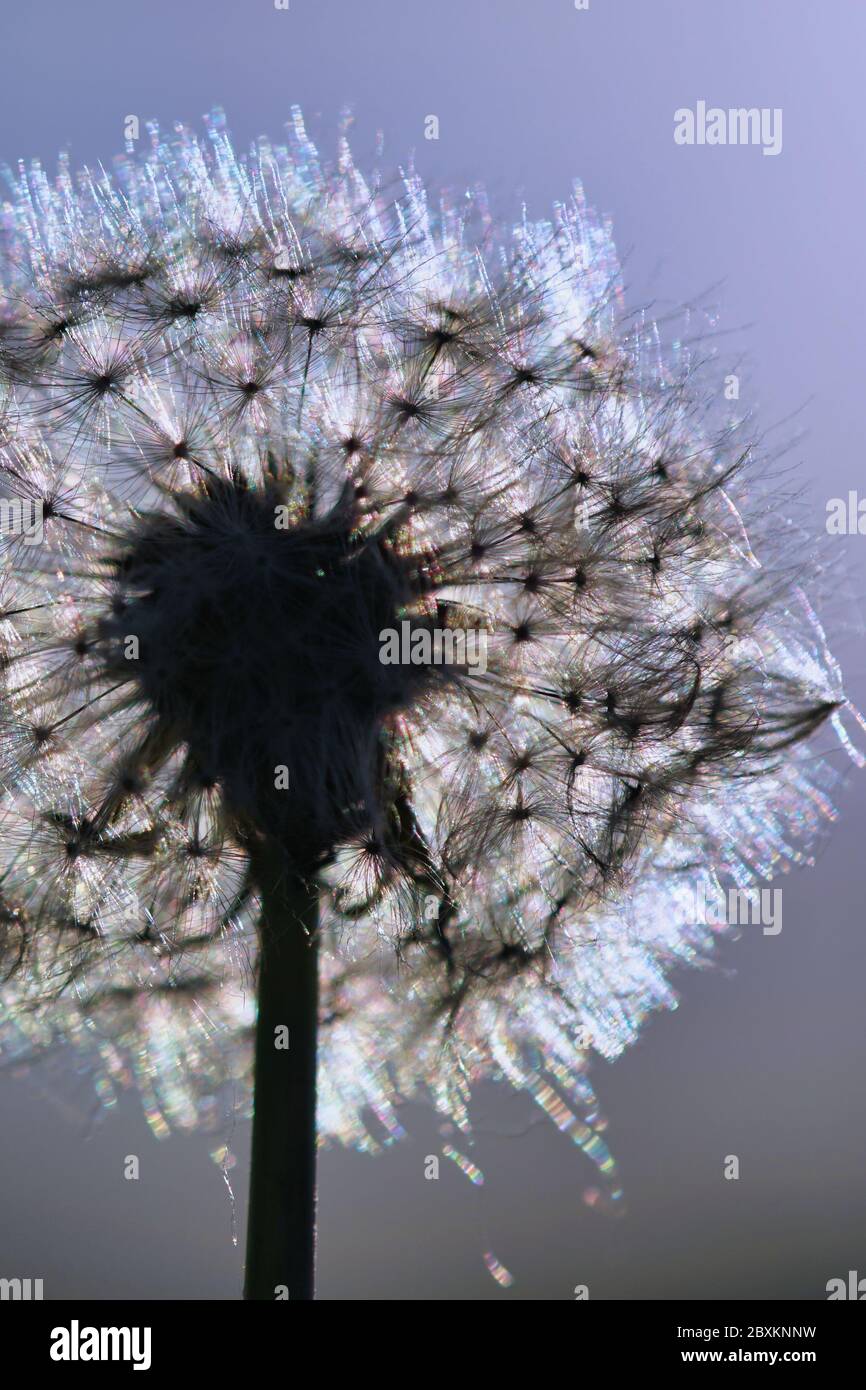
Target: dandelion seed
{"points": [[466, 1166], [497, 1270]]}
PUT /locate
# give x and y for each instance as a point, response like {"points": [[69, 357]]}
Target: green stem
{"points": [[281, 1220]]}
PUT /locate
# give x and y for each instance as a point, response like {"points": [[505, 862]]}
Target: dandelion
{"points": [[274, 414]]}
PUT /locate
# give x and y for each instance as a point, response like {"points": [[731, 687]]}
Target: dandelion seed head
{"points": [[267, 410]]}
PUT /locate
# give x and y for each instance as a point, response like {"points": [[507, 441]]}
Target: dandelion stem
{"points": [[282, 1206]]}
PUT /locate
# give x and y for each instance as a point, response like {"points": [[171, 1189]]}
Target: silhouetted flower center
{"points": [[253, 638]]}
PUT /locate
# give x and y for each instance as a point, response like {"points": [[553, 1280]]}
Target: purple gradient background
{"points": [[767, 1063]]}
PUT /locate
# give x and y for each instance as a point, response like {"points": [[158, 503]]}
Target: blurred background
{"points": [[764, 1057]]}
